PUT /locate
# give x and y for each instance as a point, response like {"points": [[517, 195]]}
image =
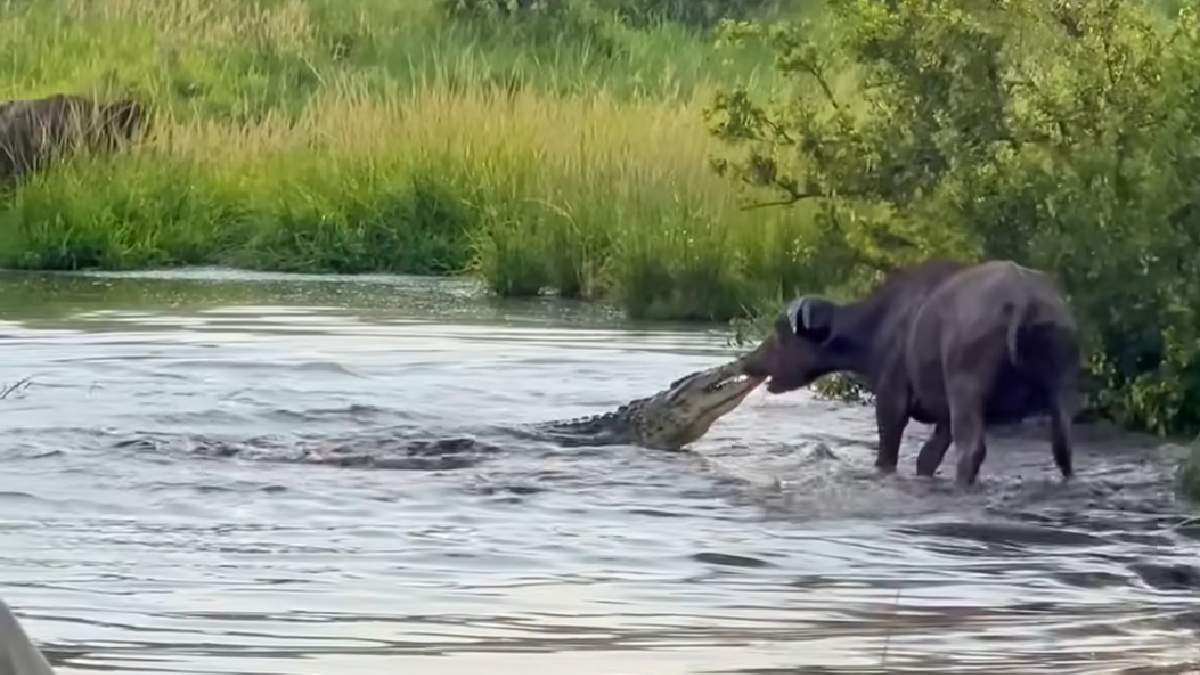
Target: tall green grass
{"points": [[314, 135]]}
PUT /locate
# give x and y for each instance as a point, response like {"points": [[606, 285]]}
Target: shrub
{"points": [[1059, 134]]}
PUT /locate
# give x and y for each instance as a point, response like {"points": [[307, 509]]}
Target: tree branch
{"points": [[820, 78], [778, 130], [794, 197]]}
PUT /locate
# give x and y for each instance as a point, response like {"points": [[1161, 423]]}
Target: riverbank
{"points": [[308, 136]]}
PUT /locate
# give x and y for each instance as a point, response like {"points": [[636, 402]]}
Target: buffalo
{"points": [[955, 345], [35, 132]]}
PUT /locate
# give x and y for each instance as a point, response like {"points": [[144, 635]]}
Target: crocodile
{"points": [[667, 420]]}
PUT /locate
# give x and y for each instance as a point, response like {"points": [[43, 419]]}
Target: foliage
{"points": [[1058, 134]]}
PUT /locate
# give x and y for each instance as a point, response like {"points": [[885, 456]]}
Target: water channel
{"points": [[155, 518]]}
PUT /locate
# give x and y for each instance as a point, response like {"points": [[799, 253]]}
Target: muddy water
{"points": [[154, 519]]}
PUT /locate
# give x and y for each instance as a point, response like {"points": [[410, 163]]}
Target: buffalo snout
{"points": [[786, 360], [757, 363]]}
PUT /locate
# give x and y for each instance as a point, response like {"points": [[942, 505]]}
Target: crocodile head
{"points": [[684, 411]]}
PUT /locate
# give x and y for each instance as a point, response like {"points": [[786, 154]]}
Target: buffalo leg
{"points": [[891, 416], [1060, 435], [977, 459], [934, 450], [967, 428]]}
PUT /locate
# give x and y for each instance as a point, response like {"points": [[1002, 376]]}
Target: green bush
{"points": [[1059, 134]]}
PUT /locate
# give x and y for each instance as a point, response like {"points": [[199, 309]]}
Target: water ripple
{"points": [[218, 472]]}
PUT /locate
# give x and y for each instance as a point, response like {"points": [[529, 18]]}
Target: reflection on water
{"points": [[177, 499]]}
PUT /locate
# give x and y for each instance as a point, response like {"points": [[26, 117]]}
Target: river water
{"points": [[156, 519]]}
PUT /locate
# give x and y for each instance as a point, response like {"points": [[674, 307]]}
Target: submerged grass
{"points": [[312, 135]]}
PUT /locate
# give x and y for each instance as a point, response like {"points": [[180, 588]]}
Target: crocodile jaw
{"points": [[689, 408]]}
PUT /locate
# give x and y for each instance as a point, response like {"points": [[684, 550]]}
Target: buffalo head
{"points": [[119, 122], [804, 346]]}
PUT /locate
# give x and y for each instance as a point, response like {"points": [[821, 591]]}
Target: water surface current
{"points": [[221, 472]]}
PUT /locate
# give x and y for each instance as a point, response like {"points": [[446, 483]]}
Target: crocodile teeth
{"points": [[733, 380]]}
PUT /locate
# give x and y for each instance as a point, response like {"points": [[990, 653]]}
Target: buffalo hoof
{"points": [[967, 484], [926, 471]]}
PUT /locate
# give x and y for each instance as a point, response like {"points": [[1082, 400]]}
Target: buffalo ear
{"points": [[811, 318]]}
